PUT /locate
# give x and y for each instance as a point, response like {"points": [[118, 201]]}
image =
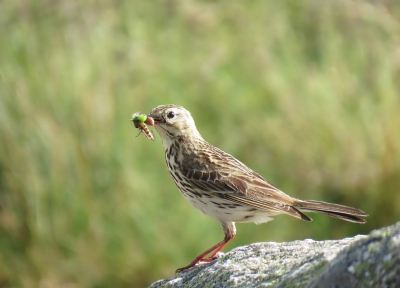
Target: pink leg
{"points": [[230, 232]]}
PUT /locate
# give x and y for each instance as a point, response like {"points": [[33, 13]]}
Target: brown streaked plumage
{"points": [[221, 186]]}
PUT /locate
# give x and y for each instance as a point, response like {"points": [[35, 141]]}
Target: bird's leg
{"points": [[229, 231], [217, 247]]}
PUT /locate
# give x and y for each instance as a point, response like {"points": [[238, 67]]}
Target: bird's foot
{"points": [[200, 261]]}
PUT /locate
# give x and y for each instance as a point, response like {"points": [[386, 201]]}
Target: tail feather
{"points": [[334, 210]]}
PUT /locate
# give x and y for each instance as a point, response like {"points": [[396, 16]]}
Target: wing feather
{"points": [[244, 189]]}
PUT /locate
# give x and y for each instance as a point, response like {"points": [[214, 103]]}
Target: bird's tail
{"points": [[334, 210]]}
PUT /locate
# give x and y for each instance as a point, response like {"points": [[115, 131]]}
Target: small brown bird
{"points": [[221, 186]]}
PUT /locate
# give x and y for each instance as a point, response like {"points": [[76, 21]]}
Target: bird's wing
{"points": [[222, 174], [245, 189], [258, 193]]}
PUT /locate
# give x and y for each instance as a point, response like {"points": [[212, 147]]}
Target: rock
{"points": [[360, 261]]}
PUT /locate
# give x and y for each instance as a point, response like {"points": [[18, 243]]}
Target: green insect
{"points": [[139, 122]]}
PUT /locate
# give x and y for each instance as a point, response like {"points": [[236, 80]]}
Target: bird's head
{"points": [[173, 121]]}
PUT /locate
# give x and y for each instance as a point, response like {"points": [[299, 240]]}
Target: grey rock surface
{"points": [[361, 261]]}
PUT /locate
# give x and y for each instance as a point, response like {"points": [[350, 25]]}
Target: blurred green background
{"points": [[304, 92]]}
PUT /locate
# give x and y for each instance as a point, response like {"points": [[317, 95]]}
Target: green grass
{"points": [[304, 92]]}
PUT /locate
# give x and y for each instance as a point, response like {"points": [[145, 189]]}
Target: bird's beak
{"points": [[153, 119]]}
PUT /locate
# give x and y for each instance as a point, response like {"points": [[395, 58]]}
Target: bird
{"points": [[219, 185]]}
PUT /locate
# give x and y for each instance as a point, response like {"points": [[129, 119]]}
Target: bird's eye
{"points": [[171, 115]]}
